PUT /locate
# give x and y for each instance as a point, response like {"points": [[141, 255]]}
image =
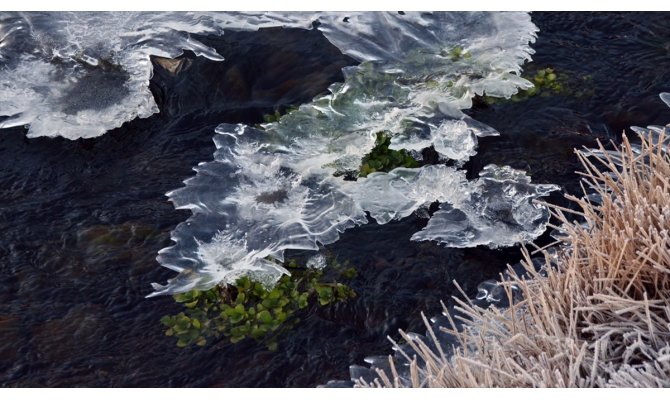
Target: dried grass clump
{"points": [[599, 313]]}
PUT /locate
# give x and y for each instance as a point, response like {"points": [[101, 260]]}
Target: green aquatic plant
{"points": [[549, 82], [276, 116], [269, 118], [383, 159], [248, 309], [456, 53]]}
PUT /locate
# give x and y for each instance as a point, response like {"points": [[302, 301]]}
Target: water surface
{"points": [[81, 221]]}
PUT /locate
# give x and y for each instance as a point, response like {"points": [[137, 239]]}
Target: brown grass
{"points": [[600, 317]]}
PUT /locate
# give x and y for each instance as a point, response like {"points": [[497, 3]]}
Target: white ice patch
{"points": [[651, 133], [317, 261], [498, 209], [276, 188], [665, 96], [80, 74]]}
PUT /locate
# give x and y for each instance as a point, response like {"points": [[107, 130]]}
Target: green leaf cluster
{"points": [[456, 53], [548, 82], [248, 309], [383, 159], [269, 118]]}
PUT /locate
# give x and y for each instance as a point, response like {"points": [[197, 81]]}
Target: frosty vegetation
{"points": [[591, 312]]}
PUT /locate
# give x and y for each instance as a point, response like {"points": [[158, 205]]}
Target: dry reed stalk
{"points": [[600, 314]]}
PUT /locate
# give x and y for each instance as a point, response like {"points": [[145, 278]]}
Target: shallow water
{"points": [[81, 221]]}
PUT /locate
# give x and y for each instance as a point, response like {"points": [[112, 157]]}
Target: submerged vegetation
{"points": [[383, 159], [595, 315], [457, 53], [248, 309], [549, 82], [276, 116]]}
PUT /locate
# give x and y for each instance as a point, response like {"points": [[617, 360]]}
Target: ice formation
{"points": [[665, 96], [267, 190], [651, 133], [82, 74], [277, 188], [79, 74]]}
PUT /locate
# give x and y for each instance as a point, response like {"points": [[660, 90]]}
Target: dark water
{"points": [[81, 221]]}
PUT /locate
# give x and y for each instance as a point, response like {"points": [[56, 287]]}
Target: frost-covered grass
{"points": [[599, 316]]}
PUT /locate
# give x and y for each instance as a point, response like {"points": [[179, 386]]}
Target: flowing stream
{"points": [[83, 220]]}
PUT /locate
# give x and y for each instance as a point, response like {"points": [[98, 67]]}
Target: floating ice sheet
{"points": [[277, 188], [666, 98], [81, 74], [498, 209]]}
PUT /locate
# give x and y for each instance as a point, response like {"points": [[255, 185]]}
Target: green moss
{"points": [[247, 309], [383, 159]]}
